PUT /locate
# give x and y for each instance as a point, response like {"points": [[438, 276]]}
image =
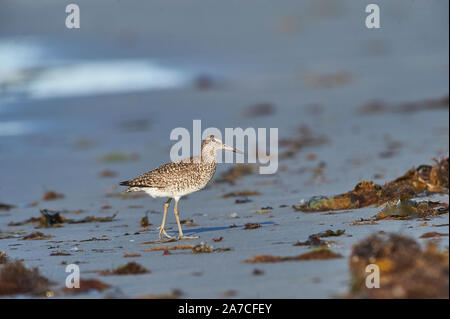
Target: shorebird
{"points": [[180, 178]]}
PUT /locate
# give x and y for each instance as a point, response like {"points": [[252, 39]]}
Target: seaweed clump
{"points": [[425, 178], [15, 278], [406, 209], [316, 254], [132, 268], [406, 270], [88, 285]]}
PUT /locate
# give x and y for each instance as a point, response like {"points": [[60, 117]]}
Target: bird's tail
{"points": [[124, 183], [129, 189]]}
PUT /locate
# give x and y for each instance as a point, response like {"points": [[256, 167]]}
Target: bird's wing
{"points": [[159, 177]]}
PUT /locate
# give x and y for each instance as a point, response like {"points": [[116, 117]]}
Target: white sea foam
{"points": [[27, 70]]}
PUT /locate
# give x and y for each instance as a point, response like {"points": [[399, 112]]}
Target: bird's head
{"points": [[217, 144]]}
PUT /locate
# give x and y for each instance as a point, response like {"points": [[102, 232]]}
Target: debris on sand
{"points": [[432, 235], [132, 268], [107, 173], [50, 218], [236, 172], [407, 270], [260, 109], [3, 258], [316, 254], [188, 222], [52, 195], [241, 194], [320, 253], [92, 219], [305, 139], [4, 206], [27, 221], [406, 209], [252, 226], [261, 211], [425, 105], [313, 240], [144, 221], [425, 178], [218, 239], [131, 255], [242, 200], [60, 253], [178, 247], [118, 157], [36, 236], [202, 248], [88, 285], [362, 221], [94, 239], [15, 278], [257, 272], [331, 233], [174, 294], [228, 293]]}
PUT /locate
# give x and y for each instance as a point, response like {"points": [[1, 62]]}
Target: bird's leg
{"points": [[180, 235], [161, 228]]}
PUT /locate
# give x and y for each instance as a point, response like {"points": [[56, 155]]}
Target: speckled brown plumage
{"points": [[177, 179]]}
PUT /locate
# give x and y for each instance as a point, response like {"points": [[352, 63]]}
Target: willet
{"points": [[180, 178]]}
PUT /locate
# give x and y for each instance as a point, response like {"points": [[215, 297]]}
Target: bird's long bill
{"points": [[226, 147]]}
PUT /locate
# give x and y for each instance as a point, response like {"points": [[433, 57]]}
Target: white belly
{"points": [[157, 192]]}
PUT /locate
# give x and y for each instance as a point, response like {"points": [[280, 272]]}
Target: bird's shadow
{"points": [[212, 229]]}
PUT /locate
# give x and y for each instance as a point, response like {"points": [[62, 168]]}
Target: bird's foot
{"points": [[182, 237], [163, 232]]}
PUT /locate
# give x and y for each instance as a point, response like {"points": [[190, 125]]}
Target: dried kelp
{"points": [[406, 209], [174, 294], [15, 278], [425, 178], [178, 247], [92, 219], [50, 218], [202, 248], [316, 241], [4, 206], [317, 254], [52, 195], [87, 285], [433, 234], [415, 106], [406, 270], [132, 268], [252, 226], [240, 194], [3, 258], [36, 236]]}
